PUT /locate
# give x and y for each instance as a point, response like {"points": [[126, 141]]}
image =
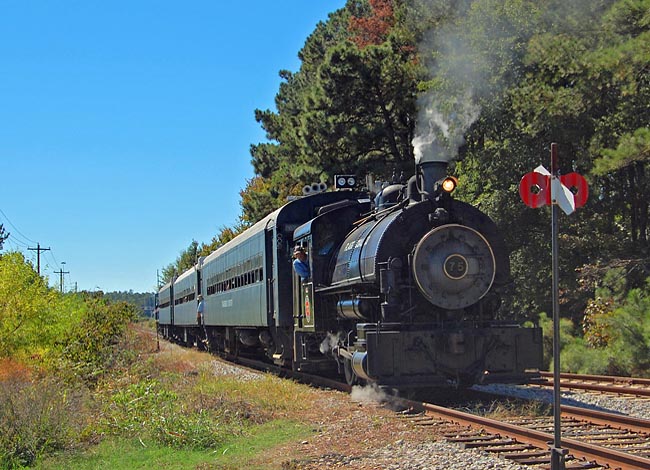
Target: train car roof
{"points": [[185, 274], [165, 286], [270, 220]]}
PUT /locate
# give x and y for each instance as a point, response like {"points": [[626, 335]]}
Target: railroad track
{"points": [[599, 383], [593, 440]]}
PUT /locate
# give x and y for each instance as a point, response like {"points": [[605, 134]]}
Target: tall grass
{"points": [[37, 418], [149, 411]]}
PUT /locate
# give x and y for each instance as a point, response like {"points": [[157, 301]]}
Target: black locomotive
{"points": [[403, 291]]}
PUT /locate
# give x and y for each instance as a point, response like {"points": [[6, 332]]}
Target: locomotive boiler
{"points": [[403, 291]]}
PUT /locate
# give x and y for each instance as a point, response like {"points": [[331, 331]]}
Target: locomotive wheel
{"points": [[350, 377]]}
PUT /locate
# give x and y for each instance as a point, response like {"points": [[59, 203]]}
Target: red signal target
{"points": [[535, 191], [577, 184]]}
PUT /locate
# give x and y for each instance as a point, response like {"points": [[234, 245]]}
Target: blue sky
{"points": [[125, 127]]}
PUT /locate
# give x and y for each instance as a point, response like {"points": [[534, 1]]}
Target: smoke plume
{"points": [[439, 134], [459, 74]]}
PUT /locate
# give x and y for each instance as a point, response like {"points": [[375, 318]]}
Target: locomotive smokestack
{"points": [[431, 158], [430, 163], [429, 173]]}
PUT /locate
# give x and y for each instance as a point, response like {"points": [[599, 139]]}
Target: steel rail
{"points": [[641, 392], [600, 378], [613, 458], [629, 423]]}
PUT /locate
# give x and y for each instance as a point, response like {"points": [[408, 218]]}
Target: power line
{"points": [[52, 258], [15, 228], [11, 245], [21, 242], [16, 241]]}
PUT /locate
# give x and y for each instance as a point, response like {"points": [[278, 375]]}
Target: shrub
{"points": [[147, 410], [32, 316], [616, 337], [566, 337], [90, 346], [580, 358], [629, 330], [37, 418]]}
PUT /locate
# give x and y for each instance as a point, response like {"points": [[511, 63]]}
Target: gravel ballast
{"points": [[630, 406]]}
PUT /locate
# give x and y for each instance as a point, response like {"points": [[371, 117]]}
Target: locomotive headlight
{"points": [[449, 184]]}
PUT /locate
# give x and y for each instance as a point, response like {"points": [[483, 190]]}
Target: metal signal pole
{"points": [[557, 453], [567, 192], [38, 250]]}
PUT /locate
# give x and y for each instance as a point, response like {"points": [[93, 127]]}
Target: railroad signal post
{"points": [[568, 192]]}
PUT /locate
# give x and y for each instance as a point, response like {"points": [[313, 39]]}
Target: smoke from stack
{"points": [[472, 57], [449, 108], [438, 136]]}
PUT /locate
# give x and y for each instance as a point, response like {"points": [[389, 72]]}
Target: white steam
{"points": [[368, 394], [330, 342], [438, 136], [459, 79]]}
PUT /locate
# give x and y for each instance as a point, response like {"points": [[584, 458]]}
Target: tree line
{"points": [[489, 85]]}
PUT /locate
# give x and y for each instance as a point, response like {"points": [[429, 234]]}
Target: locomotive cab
{"points": [[313, 308]]}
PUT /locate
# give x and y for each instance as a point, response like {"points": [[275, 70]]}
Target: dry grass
{"points": [[167, 357], [13, 371], [179, 400], [39, 417], [514, 408]]}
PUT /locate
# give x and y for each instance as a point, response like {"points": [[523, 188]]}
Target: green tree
{"points": [[586, 87], [33, 317], [348, 109], [3, 235], [279, 163], [575, 77], [621, 142], [360, 118], [616, 338]]}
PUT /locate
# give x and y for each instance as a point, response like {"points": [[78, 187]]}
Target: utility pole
{"points": [[38, 250], [61, 273]]}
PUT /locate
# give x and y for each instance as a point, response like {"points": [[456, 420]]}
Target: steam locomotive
{"points": [[403, 291]]}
